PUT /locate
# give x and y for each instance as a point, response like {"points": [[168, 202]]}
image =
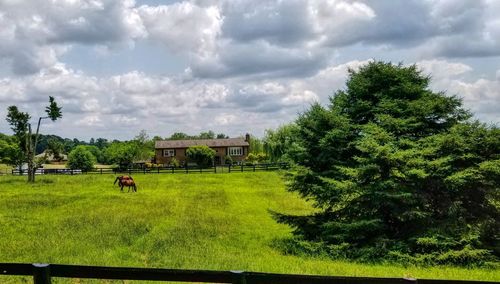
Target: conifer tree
{"points": [[397, 171]]}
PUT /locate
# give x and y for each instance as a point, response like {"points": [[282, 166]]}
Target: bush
{"points": [[81, 158], [228, 160], [174, 163], [202, 155], [254, 158]]}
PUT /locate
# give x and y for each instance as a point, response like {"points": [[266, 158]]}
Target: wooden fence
{"points": [[43, 273], [165, 170]]}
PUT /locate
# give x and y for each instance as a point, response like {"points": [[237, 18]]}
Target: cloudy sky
{"points": [[233, 66]]}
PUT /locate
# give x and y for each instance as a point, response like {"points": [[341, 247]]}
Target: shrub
{"points": [[228, 160], [81, 158], [202, 155], [174, 162], [252, 158]]}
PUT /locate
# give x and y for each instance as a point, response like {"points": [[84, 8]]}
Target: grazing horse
{"points": [[126, 181], [121, 178], [129, 183]]}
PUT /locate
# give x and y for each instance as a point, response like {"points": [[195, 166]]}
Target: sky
{"points": [[231, 66]]}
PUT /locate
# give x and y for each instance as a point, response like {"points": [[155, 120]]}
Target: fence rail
{"points": [[164, 170], [43, 273]]}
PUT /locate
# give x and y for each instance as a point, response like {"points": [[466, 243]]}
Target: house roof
{"points": [[228, 142]]}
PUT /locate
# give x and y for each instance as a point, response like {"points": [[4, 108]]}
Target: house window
{"points": [[168, 152], [235, 151]]}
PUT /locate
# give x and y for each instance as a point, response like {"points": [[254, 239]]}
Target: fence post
{"points": [[215, 168], [242, 167], [267, 167], [41, 273], [229, 168], [129, 173], [239, 277], [186, 168], [254, 167]]}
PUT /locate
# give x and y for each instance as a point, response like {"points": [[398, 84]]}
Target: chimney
{"points": [[247, 137]]}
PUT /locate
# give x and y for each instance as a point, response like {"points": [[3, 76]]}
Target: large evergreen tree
{"points": [[397, 171]]}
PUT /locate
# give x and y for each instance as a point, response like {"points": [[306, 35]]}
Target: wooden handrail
{"points": [[43, 273]]}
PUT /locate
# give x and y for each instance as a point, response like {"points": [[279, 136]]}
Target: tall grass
{"points": [[191, 221]]}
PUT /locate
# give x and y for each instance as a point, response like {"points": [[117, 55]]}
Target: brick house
{"points": [[237, 148]]}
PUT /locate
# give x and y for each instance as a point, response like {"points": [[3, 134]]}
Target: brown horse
{"points": [[120, 178], [126, 181], [129, 183]]}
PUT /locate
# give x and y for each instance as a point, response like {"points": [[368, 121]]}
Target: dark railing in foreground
{"points": [[163, 170], [43, 273]]}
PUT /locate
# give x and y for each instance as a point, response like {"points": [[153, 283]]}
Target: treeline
{"points": [[103, 151], [277, 146]]}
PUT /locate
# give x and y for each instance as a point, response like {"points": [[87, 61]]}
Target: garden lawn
{"points": [[190, 221]]}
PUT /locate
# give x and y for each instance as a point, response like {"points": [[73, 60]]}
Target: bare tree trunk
{"points": [[31, 156], [32, 150]]}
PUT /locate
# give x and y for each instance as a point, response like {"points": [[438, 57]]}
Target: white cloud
{"points": [[440, 69], [183, 27], [249, 64], [89, 120], [37, 33]]}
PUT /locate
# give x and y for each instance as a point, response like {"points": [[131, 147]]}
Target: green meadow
{"points": [[185, 221]]}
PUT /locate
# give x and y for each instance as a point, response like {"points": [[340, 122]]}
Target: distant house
{"points": [[237, 148]]}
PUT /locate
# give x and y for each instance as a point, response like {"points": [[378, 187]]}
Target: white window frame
{"points": [[235, 151], [168, 152]]}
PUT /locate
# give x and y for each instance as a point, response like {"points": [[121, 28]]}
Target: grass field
{"points": [[191, 221]]}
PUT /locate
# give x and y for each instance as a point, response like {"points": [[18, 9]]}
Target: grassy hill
{"points": [[192, 221]]}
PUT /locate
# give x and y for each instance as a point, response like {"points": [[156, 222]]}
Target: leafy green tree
{"points": [[97, 153], [55, 148], [201, 155], [81, 158], [28, 141], [207, 135], [396, 171], [221, 136], [282, 144], [101, 143], [256, 145], [179, 136], [122, 153], [10, 153], [145, 146]]}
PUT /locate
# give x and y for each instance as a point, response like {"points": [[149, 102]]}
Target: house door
{"points": [[218, 160]]}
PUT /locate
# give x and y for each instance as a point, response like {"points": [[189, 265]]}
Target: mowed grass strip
{"points": [[190, 221]]}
